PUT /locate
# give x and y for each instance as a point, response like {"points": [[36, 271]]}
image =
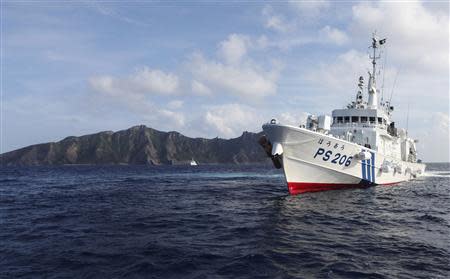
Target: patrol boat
{"points": [[357, 146]]}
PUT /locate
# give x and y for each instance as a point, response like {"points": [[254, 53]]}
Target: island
{"points": [[139, 145]]}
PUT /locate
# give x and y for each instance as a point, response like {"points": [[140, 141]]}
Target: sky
{"points": [[216, 68]]}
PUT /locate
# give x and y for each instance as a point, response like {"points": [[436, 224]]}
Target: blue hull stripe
{"points": [[373, 167], [363, 169], [368, 169]]}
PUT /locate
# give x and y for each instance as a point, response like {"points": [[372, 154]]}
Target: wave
{"points": [[9, 180], [219, 175], [238, 175], [437, 174]]}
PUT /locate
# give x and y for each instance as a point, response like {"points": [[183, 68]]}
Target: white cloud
{"points": [[231, 120], [275, 21], [292, 31], [175, 104], [262, 42], [341, 74], [234, 48], [177, 119], [156, 81], [108, 10], [310, 9], [247, 79], [200, 89], [434, 138], [102, 84], [132, 94], [233, 71], [143, 81], [417, 37], [416, 48], [333, 35], [293, 118], [289, 42]]}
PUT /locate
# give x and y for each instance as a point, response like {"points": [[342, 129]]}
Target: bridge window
{"points": [[363, 119], [355, 119], [380, 120], [372, 120], [339, 119], [347, 119]]}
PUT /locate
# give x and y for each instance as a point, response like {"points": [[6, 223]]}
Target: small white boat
{"points": [[193, 163]]}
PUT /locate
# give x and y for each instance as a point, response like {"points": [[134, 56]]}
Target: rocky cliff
{"points": [[139, 145]]}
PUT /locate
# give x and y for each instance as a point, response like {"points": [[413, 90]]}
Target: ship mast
{"points": [[374, 57], [373, 99]]}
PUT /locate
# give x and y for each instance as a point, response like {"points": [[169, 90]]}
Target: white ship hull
{"points": [[314, 161]]}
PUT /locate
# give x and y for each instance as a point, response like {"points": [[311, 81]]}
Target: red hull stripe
{"points": [[303, 187]]}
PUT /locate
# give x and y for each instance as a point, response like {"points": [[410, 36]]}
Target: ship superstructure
{"points": [[358, 145]]}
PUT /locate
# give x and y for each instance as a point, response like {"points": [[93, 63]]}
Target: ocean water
{"points": [[217, 222]]}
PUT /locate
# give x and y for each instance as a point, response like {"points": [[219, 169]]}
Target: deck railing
{"points": [[359, 124]]}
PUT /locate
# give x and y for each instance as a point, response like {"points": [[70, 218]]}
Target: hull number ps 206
{"points": [[337, 158]]}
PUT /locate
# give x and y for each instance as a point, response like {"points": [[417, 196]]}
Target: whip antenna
{"points": [[407, 119], [384, 71], [393, 86]]}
